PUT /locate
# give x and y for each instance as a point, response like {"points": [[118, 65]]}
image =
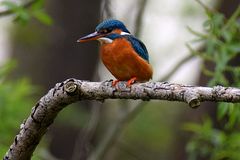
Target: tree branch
{"points": [[82, 141], [178, 65], [138, 24], [72, 90], [106, 11], [114, 131]]}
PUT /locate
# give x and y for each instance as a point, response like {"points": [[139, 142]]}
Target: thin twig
{"points": [[232, 19], [176, 67], [106, 11], [83, 139], [141, 11], [207, 9], [114, 131]]}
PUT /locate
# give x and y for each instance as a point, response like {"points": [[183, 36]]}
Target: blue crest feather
{"points": [[112, 24], [137, 45]]}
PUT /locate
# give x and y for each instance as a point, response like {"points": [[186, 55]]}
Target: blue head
{"points": [[111, 25], [106, 28]]}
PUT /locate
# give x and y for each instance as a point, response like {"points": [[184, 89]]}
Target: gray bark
{"points": [[72, 90]]}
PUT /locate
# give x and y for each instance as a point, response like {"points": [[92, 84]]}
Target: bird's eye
{"points": [[105, 31]]}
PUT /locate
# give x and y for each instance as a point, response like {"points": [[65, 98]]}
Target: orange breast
{"points": [[123, 62]]}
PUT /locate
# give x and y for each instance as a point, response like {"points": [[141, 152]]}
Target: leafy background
{"points": [[155, 131]]}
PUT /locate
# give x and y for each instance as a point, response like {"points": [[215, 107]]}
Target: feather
{"points": [[139, 47]]}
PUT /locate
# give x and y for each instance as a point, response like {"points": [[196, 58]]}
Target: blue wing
{"points": [[139, 47]]}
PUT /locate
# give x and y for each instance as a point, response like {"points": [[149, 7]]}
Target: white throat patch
{"points": [[124, 33], [105, 40], [108, 40]]}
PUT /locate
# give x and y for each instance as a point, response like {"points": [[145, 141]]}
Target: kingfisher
{"points": [[125, 56]]}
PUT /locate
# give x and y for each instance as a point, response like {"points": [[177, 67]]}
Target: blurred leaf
{"points": [[234, 115], [193, 127], [42, 17], [233, 19], [38, 12], [234, 48], [222, 110], [6, 68], [221, 47], [24, 14], [10, 5], [39, 4], [227, 36], [207, 25], [15, 104], [198, 34]]}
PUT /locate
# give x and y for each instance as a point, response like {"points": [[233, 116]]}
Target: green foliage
{"points": [[23, 14], [210, 143], [15, 104], [222, 45], [153, 133]]}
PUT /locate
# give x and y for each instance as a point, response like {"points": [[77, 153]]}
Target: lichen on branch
{"points": [[73, 90]]}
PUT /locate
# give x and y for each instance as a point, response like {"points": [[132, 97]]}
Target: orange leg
{"points": [[131, 81], [114, 83]]}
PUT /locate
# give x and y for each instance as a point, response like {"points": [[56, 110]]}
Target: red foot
{"points": [[131, 81], [114, 83]]}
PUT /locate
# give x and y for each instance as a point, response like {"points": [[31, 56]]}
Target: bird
{"points": [[125, 56]]}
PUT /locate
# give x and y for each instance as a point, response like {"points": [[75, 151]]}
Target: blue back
{"points": [[137, 45], [112, 24]]}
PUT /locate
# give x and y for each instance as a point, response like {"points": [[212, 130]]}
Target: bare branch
{"points": [[138, 24], [106, 11], [82, 141], [114, 131], [72, 90]]}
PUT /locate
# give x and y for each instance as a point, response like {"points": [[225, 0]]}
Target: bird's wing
{"points": [[138, 46]]}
